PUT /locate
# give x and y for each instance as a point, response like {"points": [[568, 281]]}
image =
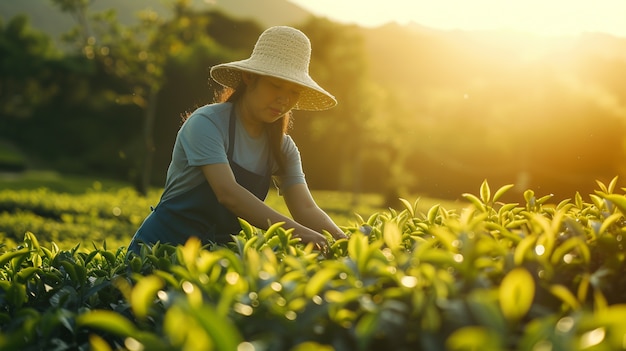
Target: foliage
{"points": [[70, 210], [69, 219], [26, 78], [494, 276]]}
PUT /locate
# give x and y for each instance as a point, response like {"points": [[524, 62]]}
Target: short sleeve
{"points": [[203, 141]]}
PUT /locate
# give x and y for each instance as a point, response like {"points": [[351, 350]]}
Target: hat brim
{"points": [[313, 97]]}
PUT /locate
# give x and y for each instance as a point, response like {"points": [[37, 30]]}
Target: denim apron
{"points": [[197, 212]]}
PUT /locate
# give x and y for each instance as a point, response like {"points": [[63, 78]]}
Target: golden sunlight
{"points": [[554, 17]]}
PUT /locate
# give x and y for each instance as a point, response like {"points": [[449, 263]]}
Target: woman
{"points": [[227, 153]]}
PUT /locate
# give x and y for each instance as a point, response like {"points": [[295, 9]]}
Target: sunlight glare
{"points": [[558, 17]]}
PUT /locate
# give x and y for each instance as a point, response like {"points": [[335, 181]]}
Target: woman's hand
{"points": [[339, 235], [309, 236]]}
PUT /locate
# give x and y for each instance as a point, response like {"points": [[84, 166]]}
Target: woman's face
{"points": [[268, 98]]}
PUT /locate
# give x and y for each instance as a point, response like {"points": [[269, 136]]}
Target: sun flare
{"points": [[555, 17]]}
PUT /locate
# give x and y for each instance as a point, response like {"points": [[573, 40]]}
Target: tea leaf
{"points": [[618, 200], [247, 228], [26, 273], [612, 185], [609, 221], [6, 257], [272, 229], [97, 343], [357, 246], [565, 295], [501, 191], [475, 201], [485, 192], [392, 235], [142, 295], [432, 214], [408, 206], [317, 282], [312, 346], [473, 338], [108, 321], [221, 330], [517, 291], [544, 198], [31, 241], [566, 247]]}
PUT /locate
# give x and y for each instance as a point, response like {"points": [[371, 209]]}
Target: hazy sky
{"points": [[553, 17]]}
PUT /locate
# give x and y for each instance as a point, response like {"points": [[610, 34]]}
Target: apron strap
{"points": [[231, 141], [231, 133]]}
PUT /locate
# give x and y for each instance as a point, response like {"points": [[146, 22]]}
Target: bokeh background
{"points": [[99, 88]]}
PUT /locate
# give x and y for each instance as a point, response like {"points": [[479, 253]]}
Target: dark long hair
{"points": [[275, 131]]}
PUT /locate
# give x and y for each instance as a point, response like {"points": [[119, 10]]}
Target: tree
{"points": [[135, 54], [26, 56], [339, 65]]}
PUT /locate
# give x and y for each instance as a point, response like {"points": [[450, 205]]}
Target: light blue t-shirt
{"points": [[203, 140]]}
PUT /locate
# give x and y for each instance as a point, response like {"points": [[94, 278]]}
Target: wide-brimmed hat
{"points": [[281, 52]]}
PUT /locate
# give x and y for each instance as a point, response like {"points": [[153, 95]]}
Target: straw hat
{"points": [[281, 52]]}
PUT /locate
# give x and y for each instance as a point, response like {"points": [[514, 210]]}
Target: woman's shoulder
{"points": [[213, 111], [216, 114]]}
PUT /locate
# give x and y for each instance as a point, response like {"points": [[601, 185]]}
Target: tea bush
{"points": [[92, 216], [73, 210], [493, 276]]}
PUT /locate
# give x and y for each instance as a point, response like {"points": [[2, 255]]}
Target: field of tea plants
{"points": [[531, 276]]}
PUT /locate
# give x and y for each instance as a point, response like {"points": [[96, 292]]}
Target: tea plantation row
{"points": [[536, 276]]}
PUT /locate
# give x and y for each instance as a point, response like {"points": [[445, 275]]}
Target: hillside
{"points": [[48, 18]]}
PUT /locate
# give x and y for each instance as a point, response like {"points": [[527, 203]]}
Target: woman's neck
{"points": [[253, 127]]}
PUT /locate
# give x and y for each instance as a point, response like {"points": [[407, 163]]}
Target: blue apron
{"points": [[197, 212]]}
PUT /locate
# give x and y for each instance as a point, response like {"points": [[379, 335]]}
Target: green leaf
{"points": [[7, 256], [16, 295], [569, 245], [247, 228], [223, 332], [408, 206], [26, 273], [565, 295], [432, 214], [475, 201], [618, 200], [272, 229], [189, 252], [312, 346], [544, 198], [108, 321], [612, 185], [317, 281], [143, 294], [501, 191], [392, 235], [485, 192], [522, 248], [108, 256], [473, 338], [357, 246], [31, 241], [70, 269], [516, 294], [610, 220]]}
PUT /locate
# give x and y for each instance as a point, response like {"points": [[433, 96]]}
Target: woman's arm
{"points": [[244, 204], [306, 212]]}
